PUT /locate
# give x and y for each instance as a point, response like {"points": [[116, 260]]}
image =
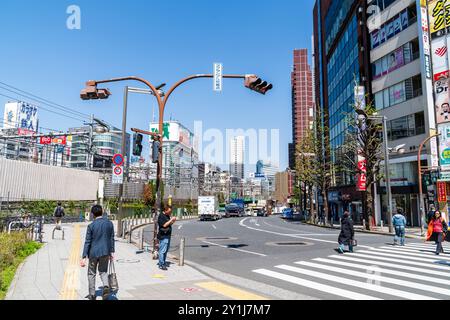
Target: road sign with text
{"points": [[218, 78]]}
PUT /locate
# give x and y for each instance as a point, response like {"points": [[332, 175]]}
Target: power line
{"points": [[43, 100]]}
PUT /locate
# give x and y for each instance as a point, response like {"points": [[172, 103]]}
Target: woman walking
{"points": [[436, 231], [347, 233]]}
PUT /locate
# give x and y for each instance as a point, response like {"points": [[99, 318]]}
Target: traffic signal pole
{"points": [[120, 215], [421, 201], [92, 92]]}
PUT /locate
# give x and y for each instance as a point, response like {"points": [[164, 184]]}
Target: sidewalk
{"points": [[53, 273], [412, 233]]}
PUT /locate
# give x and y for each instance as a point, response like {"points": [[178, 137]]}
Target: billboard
{"points": [[10, 116], [442, 101], [175, 132], [444, 146], [438, 16], [440, 58], [28, 116]]}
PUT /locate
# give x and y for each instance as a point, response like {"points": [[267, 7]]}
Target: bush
{"points": [[14, 248]]}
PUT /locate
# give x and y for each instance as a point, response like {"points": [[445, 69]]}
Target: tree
{"points": [[363, 137], [149, 194]]}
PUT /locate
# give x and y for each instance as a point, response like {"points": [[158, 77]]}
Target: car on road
{"points": [[287, 214], [261, 213], [234, 210], [249, 212]]}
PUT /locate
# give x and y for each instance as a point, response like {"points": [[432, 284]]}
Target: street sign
{"points": [[117, 176], [218, 79], [118, 159], [445, 177]]}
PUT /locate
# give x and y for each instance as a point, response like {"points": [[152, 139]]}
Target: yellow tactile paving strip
{"points": [[70, 286], [229, 291]]}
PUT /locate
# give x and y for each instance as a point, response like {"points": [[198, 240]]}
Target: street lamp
{"points": [[91, 92]]}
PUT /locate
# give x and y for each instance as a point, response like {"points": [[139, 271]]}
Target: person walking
{"points": [[59, 213], [430, 214], [399, 223], [99, 248], [165, 222], [436, 231], [347, 235]]}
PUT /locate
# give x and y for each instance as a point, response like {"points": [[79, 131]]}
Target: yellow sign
{"points": [[439, 13]]}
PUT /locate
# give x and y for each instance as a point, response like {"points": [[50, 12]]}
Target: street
{"points": [[301, 259]]}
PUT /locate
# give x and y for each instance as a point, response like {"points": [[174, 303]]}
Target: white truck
{"points": [[208, 208]]}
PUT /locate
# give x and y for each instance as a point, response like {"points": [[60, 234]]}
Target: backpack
{"points": [[59, 212]]}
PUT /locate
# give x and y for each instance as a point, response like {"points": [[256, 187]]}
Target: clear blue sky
{"points": [[162, 41]]}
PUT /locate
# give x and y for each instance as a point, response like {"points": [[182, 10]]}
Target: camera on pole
{"points": [[137, 144]]}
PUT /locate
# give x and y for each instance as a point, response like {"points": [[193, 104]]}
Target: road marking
{"points": [[415, 263], [358, 284], [69, 289], [240, 250], [214, 227], [408, 255], [229, 291], [385, 271], [390, 265], [316, 286], [181, 226], [415, 252], [292, 235], [426, 246], [374, 276]]}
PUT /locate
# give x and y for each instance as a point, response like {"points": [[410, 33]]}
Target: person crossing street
{"points": [[347, 235], [399, 223], [437, 229]]}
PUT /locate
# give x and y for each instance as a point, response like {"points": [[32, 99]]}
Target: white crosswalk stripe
{"points": [[411, 272]]}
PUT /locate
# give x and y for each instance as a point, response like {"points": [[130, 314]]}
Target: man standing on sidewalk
{"points": [[99, 248], [165, 223], [59, 213], [399, 223]]}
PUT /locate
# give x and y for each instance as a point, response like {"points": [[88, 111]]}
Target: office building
{"points": [[237, 147]]}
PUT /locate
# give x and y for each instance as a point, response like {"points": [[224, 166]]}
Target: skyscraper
{"points": [[237, 146], [302, 100]]}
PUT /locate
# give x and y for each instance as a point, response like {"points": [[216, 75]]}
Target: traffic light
{"points": [[155, 151], [137, 144], [257, 84], [91, 92]]}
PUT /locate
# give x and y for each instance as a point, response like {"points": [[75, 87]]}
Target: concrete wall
{"points": [[24, 180]]}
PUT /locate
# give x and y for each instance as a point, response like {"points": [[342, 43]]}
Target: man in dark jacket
{"points": [[347, 233], [99, 248], [165, 223]]}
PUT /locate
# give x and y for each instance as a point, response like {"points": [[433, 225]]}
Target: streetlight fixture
{"points": [[91, 92]]}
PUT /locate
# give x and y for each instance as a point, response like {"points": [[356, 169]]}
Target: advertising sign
{"points": [[438, 14], [442, 191], [444, 146], [218, 80], [59, 140], [395, 60], [28, 116], [25, 132], [10, 119], [45, 140], [442, 101], [361, 177], [375, 39], [440, 58]]}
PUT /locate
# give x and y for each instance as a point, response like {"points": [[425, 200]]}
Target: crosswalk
{"points": [[412, 272]]}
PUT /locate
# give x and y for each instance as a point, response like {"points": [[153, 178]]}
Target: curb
{"points": [[366, 231]]}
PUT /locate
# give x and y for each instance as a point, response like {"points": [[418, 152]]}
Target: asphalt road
{"points": [[268, 253]]}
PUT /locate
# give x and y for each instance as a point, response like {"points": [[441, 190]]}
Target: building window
{"points": [[405, 127], [399, 93]]}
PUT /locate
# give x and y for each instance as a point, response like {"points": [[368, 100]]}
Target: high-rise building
{"points": [[237, 147], [302, 100], [380, 45]]}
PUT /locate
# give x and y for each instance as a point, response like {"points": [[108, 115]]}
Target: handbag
{"points": [[354, 243], [112, 277]]}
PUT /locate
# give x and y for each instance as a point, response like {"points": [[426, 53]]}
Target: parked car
{"points": [[288, 214]]}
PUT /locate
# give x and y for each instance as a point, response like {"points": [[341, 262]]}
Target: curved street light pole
{"points": [[422, 204], [162, 102]]}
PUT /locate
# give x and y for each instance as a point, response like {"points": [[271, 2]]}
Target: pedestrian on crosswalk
{"points": [[436, 229], [399, 223], [347, 235]]}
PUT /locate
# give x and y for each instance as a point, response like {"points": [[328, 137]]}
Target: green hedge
{"points": [[14, 248]]}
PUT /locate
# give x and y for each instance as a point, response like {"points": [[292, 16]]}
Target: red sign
{"points": [[118, 159], [45, 140], [25, 132], [442, 191], [361, 183], [118, 171], [60, 140]]}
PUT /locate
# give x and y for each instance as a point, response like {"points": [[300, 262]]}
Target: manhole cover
{"points": [[289, 244], [128, 261]]}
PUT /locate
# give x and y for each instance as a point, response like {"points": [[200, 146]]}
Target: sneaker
{"points": [[106, 292], [341, 251], [90, 297], [163, 268]]}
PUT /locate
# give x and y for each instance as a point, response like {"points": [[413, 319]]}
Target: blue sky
{"points": [[161, 41]]}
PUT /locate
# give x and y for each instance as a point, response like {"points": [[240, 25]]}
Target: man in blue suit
{"points": [[99, 248]]}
